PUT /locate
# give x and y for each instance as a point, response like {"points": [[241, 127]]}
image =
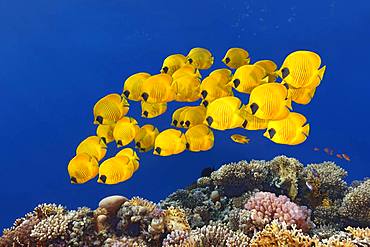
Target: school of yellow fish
{"points": [[269, 107]]}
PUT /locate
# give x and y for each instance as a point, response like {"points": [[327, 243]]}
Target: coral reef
{"points": [[255, 203]]}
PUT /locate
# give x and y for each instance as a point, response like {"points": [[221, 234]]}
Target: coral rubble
{"points": [[258, 203]]}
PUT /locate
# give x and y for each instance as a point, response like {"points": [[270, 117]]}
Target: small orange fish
{"points": [[346, 157], [316, 149], [339, 156], [240, 139], [329, 151]]}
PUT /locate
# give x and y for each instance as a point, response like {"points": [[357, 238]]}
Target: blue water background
{"points": [[57, 58]]}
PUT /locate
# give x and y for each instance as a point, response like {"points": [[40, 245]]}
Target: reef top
{"points": [[257, 203]]}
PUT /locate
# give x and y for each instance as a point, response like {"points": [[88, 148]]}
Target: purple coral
{"points": [[266, 206]]}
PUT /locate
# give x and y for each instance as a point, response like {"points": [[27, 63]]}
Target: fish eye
{"points": [[145, 113], [158, 150], [103, 178], [271, 132], [99, 119], [145, 96], [165, 69], [285, 72], [204, 94], [236, 82], [254, 107], [126, 93], [190, 60], [174, 122], [205, 103], [209, 120], [227, 60], [138, 144], [187, 145], [73, 180], [187, 123], [245, 123], [119, 143], [182, 123]]}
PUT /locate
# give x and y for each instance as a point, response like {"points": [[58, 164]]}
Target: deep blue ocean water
{"points": [[57, 58]]}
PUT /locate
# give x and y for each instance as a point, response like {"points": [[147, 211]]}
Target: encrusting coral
{"points": [[255, 203]]}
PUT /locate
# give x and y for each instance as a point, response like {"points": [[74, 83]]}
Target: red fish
{"points": [[339, 156], [346, 157]]}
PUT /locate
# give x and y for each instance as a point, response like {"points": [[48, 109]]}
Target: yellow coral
{"points": [[277, 234], [175, 219], [362, 233], [287, 169], [138, 201], [326, 202]]}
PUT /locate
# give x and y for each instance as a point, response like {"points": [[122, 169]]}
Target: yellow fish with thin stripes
{"points": [[132, 155], [152, 110], [133, 84], [169, 142], [157, 89], [199, 138], [236, 57], [116, 170], [110, 109], [172, 63], [105, 133], [144, 140], [302, 69], [93, 146], [225, 113], [125, 131], [270, 101], [291, 130], [187, 69], [192, 115], [200, 58], [82, 168]]}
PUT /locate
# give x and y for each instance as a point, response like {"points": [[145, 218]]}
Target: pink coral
{"points": [[266, 206]]}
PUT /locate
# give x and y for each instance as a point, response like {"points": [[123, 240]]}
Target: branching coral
{"points": [[331, 176], [175, 219], [278, 234], [20, 233], [178, 239], [215, 235], [237, 178], [356, 204], [52, 227], [140, 217], [266, 206]]}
